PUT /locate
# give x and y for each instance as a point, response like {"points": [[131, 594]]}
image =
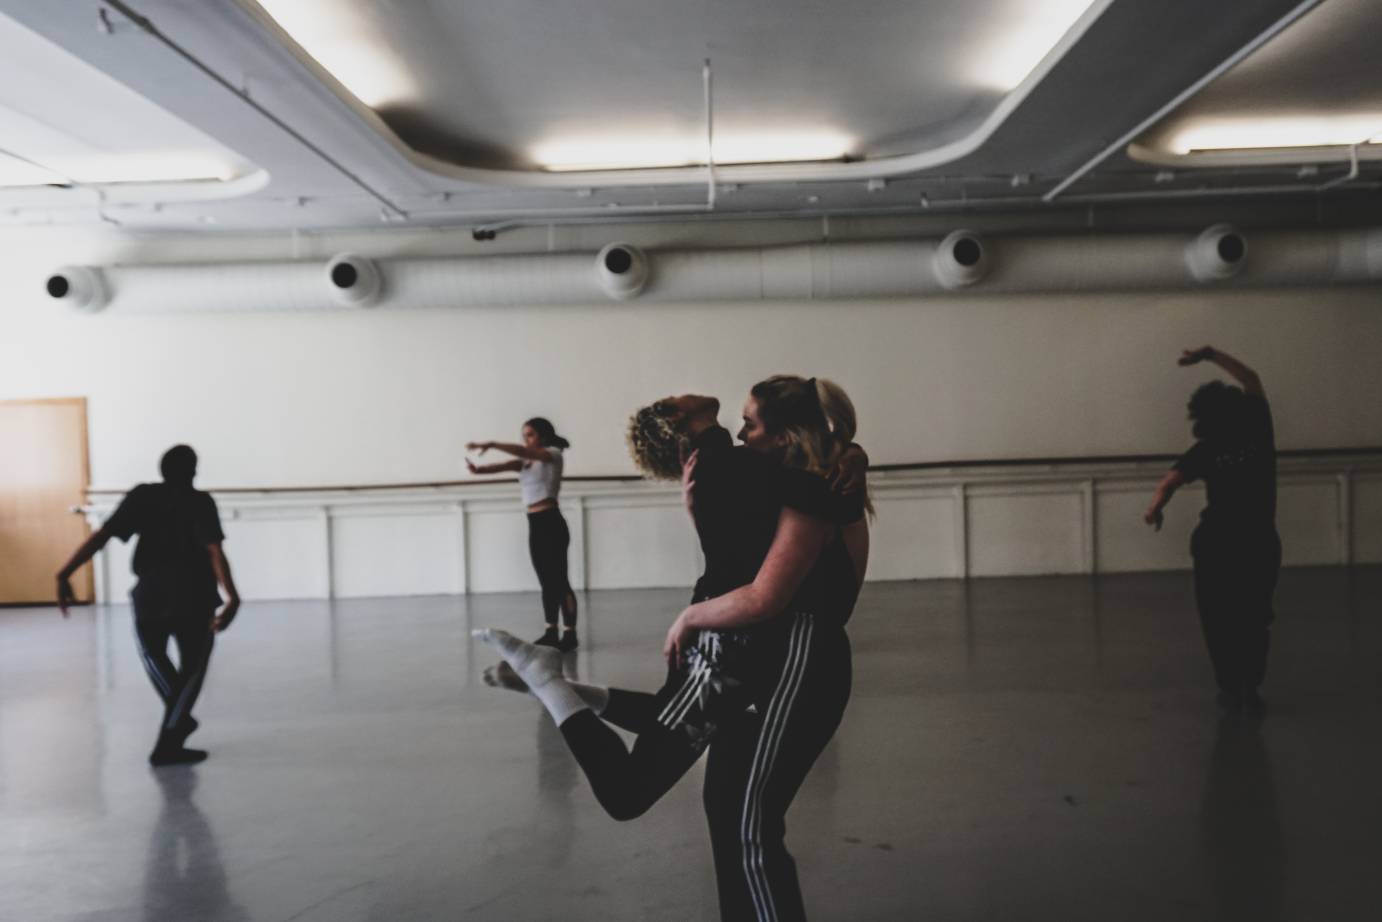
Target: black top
{"points": [[1239, 474], [738, 497], [175, 525]]}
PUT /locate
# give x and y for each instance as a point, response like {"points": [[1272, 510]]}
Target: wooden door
{"points": [[43, 475]]}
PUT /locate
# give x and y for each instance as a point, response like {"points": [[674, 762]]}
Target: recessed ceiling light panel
{"points": [[644, 151], [341, 38], [1021, 37]]}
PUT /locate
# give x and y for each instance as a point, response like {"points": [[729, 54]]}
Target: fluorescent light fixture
{"points": [[345, 43], [1277, 132], [643, 152], [1020, 36], [147, 167]]}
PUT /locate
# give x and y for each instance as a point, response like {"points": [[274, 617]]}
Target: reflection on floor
{"points": [[1022, 749]]}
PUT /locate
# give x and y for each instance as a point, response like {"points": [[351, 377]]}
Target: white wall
{"points": [[389, 397]]}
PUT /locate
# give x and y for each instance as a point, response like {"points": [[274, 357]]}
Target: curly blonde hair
{"points": [[654, 442]]}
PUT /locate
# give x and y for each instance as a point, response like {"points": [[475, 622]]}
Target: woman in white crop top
{"points": [[538, 463]]}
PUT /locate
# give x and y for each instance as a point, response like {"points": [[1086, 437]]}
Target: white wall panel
{"points": [[640, 545], [278, 556], [1367, 519], [1307, 518], [1124, 543], [1017, 532], [399, 553], [497, 550], [915, 536]]}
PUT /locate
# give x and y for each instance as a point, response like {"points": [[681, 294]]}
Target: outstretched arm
{"points": [[511, 448], [89, 549], [221, 567], [1241, 373], [1167, 488], [799, 541], [498, 468]]}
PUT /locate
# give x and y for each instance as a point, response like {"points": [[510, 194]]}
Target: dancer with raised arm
{"points": [[1236, 549]]}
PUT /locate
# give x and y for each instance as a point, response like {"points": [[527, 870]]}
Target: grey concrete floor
{"points": [[1023, 749]]}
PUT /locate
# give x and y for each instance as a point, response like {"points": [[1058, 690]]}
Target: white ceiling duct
{"points": [[822, 271], [353, 281], [81, 287]]}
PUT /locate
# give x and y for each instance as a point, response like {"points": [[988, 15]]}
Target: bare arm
{"points": [[89, 549], [799, 541], [221, 567], [497, 468], [512, 448], [1241, 373], [856, 540], [1167, 488]]}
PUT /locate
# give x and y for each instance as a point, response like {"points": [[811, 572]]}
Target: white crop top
{"points": [[541, 480]]}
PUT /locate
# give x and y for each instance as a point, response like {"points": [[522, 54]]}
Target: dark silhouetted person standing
{"points": [[1236, 549], [179, 562]]}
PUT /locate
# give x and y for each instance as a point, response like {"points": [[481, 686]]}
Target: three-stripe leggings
{"points": [[765, 709], [155, 623]]}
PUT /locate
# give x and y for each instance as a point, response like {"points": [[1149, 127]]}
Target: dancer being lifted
{"points": [[538, 463], [1236, 549], [766, 630]]}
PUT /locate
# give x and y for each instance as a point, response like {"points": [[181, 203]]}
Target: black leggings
{"points": [[548, 540], [759, 755], [1235, 578]]}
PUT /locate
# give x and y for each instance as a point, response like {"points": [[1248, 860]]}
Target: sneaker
{"points": [[549, 638], [185, 728], [568, 641], [179, 756]]}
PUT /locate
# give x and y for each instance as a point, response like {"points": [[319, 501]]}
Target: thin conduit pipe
{"points": [[1352, 173], [660, 214], [709, 140], [1223, 67]]}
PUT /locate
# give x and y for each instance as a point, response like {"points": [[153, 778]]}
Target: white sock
{"points": [[501, 675], [540, 668]]}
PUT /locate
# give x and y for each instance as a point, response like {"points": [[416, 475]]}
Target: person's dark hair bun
{"points": [[547, 433]]}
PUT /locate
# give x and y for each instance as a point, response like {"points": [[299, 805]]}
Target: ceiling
{"points": [[309, 114]]}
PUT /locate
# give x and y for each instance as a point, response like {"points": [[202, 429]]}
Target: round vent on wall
{"points": [[1219, 252], [81, 287], [622, 270], [353, 280], [961, 259]]}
